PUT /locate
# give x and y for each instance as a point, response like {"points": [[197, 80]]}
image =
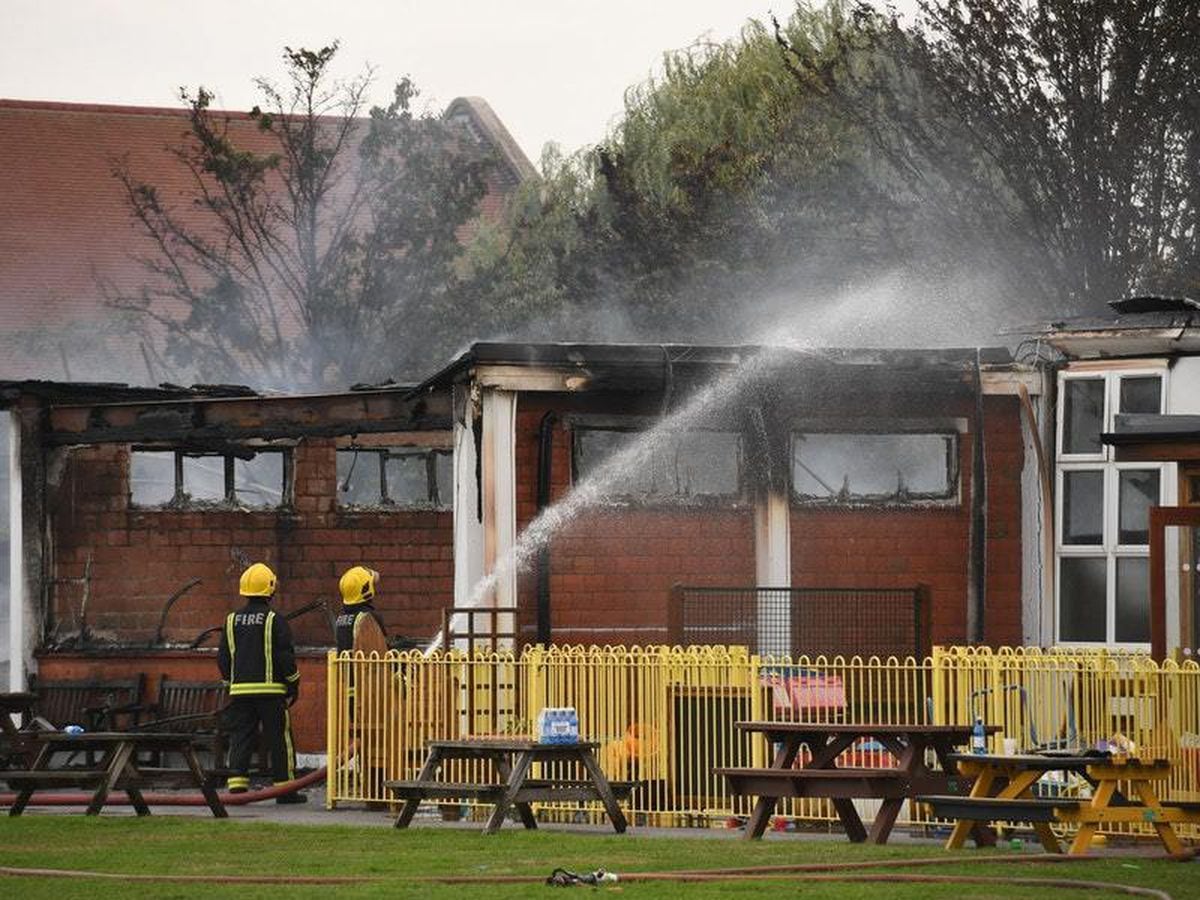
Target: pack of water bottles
{"points": [[558, 725]]}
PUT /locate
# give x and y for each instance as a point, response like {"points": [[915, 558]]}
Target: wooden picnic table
{"points": [[15, 703], [15, 745], [116, 769], [511, 761], [1003, 790], [821, 776]]}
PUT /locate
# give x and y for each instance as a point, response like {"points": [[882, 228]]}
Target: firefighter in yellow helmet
{"points": [[358, 626], [258, 662]]}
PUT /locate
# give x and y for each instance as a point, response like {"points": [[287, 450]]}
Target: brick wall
{"points": [[877, 547], [139, 557], [613, 568]]}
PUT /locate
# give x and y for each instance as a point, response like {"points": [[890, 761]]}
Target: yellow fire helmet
{"points": [[257, 581], [358, 585]]}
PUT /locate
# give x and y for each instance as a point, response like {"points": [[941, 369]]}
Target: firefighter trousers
{"points": [[244, 716]]}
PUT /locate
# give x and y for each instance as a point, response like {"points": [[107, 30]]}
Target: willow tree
{"points": [[721, 176]]}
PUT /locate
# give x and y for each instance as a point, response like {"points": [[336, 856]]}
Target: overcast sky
{"points": [[551, 69]]}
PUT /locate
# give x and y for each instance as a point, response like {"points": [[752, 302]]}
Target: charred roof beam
{"points": [[199, 421]]}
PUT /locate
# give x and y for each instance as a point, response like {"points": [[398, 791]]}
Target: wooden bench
{"points": [[93, 703], [189, 707], [828, 783], [998, 809], [533, 790]]}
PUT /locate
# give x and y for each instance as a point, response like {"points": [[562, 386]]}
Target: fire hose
{"points": [[806, 872], [159, 799]]}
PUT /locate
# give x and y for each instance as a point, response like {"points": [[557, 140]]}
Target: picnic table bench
{"points": [[511, 761], [1003, 791], [821, 776], [15, 744], [92, 703], [117, 769]]}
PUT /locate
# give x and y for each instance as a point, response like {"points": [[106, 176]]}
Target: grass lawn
{"points": [[182, 845]]}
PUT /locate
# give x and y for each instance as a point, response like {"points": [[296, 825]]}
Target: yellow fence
{"points": [[664, 716]]}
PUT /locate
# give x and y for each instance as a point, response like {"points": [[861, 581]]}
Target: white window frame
{"points": [[1109, 549]]}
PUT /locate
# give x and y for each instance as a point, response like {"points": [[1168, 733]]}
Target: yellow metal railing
{"points": [[664, 715]]}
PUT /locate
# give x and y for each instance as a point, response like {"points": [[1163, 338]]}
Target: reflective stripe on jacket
{"points": [[256, 654]]}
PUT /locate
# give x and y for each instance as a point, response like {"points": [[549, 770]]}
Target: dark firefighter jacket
{"points": [[256, 655], [346, 623], [346, 631]]}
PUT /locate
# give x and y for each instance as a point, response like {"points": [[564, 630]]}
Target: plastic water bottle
{"points": [[603, 877], [73, 729], [978, 737]]}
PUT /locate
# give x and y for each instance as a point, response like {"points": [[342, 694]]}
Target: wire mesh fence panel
{"points": [[810, 620]]}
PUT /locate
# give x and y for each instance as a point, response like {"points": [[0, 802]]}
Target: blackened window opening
{"points": [[395, 477], [639, 466], [894, 468], [253, 479]]}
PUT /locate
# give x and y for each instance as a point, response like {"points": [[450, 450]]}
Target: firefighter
{"points": [[357, 587], [359, 627], [258, 662]]}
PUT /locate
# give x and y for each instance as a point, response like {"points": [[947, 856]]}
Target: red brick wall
{"points": [[612, 570], [1004, 452], [141, 556], [901, 547]]}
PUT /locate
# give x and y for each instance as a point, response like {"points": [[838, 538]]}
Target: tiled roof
{"points": [[65, 226]]}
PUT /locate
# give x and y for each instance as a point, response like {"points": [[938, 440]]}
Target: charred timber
{"points": [[207, 423]]}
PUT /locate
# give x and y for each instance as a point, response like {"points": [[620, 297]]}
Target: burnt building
{"points": [[789, 500]]}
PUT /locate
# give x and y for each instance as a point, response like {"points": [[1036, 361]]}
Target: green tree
{"points": [[722, 173], [1062, 137], [322, 252]]}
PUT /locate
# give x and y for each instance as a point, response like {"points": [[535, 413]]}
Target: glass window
{"points": [[1083, 507], [1141, 394], [443, 463], [166, 477], [151, 477], [408, 479], [359, 478], [204, 478], [258, 481], [1105, 505], [1082, 600], [1137, 493], [402, 477], [652, 465], [874, 467], [1083, 414], [1133, 600]]}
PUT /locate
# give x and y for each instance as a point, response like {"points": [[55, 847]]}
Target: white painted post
{"points": [[500, 499], [18, 615], [468, 528], [773, 568]]}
